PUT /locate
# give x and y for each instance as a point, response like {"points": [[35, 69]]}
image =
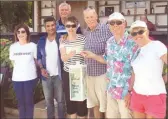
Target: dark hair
{"points": [[72, 19], [26, 29], [49, 18]]}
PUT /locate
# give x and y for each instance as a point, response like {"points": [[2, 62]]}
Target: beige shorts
{"points": [[96, 92], [116, 108]]}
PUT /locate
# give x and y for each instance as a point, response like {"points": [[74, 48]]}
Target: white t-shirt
{"points": [[148, 69], [51, 57], [24, 64]]}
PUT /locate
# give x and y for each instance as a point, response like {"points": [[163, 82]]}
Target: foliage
{"points": [[10, 96], [38, 93], [165, 68], [15, 12], [4, 56]]}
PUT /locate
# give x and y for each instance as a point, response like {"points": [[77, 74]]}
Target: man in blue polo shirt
{"points": [[64, 12]]}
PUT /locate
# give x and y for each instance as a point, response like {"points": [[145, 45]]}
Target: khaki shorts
{"points": [[116, 108], [96, 92]]}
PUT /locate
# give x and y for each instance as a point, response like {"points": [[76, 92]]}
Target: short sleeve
{"points": [[11, 53], [35, 51], [160, 48]]}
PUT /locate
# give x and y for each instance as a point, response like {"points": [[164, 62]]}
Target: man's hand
{"points": [[88, 54], [127, 100], [44, 73]]}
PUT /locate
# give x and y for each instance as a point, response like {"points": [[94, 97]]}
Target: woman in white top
{"points": [[23, 55], [70, 47], [149, 93]]}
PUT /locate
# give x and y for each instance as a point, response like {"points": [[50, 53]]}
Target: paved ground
{"points": [[39, 112], [9, 116]]}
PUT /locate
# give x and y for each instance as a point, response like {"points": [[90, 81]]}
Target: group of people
{"points": [[124, 70]]}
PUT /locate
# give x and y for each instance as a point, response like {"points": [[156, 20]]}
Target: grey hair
{"points": [[89, 8], [65, 4]]}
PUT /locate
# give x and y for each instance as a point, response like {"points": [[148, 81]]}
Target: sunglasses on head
{"points": [[140, 32], [21, 32], [73, 26], [117, 22]]}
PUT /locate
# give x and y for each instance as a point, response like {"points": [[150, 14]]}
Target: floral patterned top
{"points": [[119, 57]]}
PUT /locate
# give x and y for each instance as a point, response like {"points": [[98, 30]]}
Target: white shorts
{"points": [[116, 108], [96, 92]]}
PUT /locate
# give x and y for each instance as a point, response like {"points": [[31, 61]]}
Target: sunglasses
{"points": [[73, 26], [140, 32], [21, 32], [117, 22]]}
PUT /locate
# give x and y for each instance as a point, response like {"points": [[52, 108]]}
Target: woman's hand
{"points": [[165, 78], [44, 73], [72, 53]]}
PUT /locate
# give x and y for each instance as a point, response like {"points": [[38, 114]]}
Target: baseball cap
{"points": [[138, 23], [116, 16]]}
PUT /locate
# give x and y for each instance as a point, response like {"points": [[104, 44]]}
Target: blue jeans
{"points": [[24, 93], [52, 88]]}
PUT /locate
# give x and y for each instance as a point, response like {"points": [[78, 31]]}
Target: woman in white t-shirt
{"points": [[23, 55], [149, 93]]}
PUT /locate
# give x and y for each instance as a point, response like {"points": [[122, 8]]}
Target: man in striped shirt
{"points": [[96, 36]]}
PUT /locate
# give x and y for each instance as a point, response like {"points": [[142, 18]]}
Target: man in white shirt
{"points": [[49, 61]]}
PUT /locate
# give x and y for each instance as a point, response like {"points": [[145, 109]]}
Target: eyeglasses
{"points": [[68, 26], [140, 32], [117, 22], [21, 32]]}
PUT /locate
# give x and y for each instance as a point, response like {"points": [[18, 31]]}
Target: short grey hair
{"points": [[90, 8], [65, 4]]}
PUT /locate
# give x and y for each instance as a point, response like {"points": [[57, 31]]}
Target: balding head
{"points": [[64, 10]]}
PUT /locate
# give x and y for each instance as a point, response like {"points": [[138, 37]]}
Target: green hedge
{"points": [[10, 97]]}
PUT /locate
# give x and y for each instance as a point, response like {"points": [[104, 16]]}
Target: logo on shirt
{"points": [[20, 53]]}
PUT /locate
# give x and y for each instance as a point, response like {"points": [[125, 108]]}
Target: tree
{"points": [[15, 12]]}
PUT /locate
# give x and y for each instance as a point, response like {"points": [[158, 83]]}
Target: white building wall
{"points": [[48, 8], [158, 18]]}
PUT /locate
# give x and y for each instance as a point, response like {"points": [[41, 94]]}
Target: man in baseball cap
{"points": [[120, 51]]}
